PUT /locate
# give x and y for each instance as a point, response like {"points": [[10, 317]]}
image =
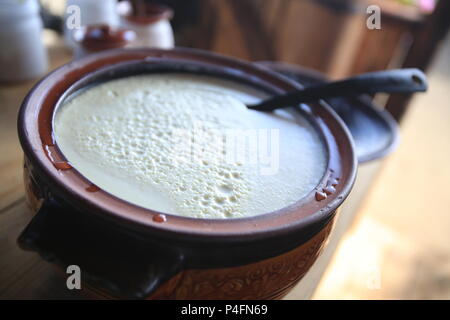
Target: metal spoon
{"points": [[390, 81]]}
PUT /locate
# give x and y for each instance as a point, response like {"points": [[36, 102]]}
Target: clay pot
{"points": [[127, 251]]}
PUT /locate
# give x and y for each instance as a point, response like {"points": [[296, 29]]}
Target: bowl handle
{"points": [[122, 264]]}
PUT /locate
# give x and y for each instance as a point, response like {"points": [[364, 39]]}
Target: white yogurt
{"points": [[187, 145]]}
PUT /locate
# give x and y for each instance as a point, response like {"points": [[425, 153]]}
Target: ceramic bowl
{"points": [[126, 251]]}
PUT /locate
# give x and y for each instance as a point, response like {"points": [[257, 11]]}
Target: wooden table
{"points": [[24, 275]]}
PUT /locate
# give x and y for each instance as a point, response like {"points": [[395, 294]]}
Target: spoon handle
{"points": [[390, 81]]}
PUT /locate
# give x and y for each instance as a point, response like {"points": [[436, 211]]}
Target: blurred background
{"points": [[392, 240]]}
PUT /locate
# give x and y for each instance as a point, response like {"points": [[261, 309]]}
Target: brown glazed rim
{"points": [[35, 133]]}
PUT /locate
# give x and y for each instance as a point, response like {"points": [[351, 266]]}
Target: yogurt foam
{"points": [[161, 142]]}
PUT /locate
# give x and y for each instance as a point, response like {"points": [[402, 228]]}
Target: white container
{"points": [[91, 12], [22, 51], [152, 27]]}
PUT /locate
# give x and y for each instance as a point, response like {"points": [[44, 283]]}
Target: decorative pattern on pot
{"points": [[267, 279]]}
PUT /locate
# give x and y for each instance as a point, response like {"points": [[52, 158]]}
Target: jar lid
{"points": [[103, 37]]}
